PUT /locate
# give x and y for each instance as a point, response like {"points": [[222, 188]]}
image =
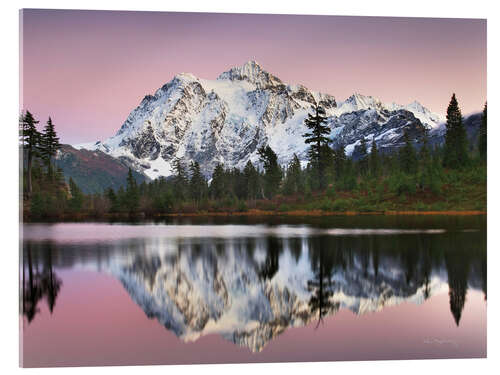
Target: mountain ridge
{"points": [[226, 120]]}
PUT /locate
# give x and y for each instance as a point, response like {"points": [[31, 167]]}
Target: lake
{"points": [[269, 289]]}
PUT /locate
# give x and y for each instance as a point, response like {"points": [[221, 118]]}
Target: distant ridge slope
{"points": [[94, 171]]}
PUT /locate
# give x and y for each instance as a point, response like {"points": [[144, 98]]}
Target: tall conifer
{"points": [[374, 160], [49, 144], [316, 137], [483, 134], [455, 151], [30, 141]]}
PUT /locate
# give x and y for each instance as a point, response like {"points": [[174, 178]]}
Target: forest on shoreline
{"points": [[416, 178]]}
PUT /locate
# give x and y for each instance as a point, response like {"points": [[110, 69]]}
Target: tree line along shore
{"points": [[446, 179]]}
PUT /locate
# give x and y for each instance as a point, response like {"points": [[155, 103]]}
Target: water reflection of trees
{"points": [[365, 261], [417, 256], [323, 260], [38, 280]]}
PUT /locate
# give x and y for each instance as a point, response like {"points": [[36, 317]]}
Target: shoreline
{"points": [[257, 212], [252, 213]]}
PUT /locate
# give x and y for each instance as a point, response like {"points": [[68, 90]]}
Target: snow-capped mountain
{"points": [[226, 120]]}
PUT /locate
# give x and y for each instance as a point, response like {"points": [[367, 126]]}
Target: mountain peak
{"points": [[252, 72], [186, 77], [417, 106], [358, 101]]}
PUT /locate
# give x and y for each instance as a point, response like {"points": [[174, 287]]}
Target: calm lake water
{"points": [[243, 290]]}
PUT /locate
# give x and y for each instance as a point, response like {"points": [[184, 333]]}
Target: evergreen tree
{"points": [[131, 193], [424, 153], [251, 177], [374, 160], [49, 145], [30, 141], [76, 201], [363, 157], [407, 156], [455, 152], [294, 181], [197, 184], [217, 185], [316, 137], [181, 181], [238, 183], [272, 171], [483, 135], [113, 200], [340, 159]]}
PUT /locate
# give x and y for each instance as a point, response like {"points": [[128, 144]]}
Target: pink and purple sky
{"points": [[89, 69]]}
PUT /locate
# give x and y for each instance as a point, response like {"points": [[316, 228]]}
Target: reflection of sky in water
{"points": [[249, 285], [68, 232]]}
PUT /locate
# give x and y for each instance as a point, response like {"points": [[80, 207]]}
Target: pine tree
{"points": [[374, 160], [76, 201], [424, 154], [317, 139], [251, 177], [340, 159], [113, 200], [131, 193], [483, 135], [363, 157], [272, 171], [197, 184], [293, 180], [217, 185], [181, 181], [49, 145], [407, 156], [30, 142], [455, 152]]}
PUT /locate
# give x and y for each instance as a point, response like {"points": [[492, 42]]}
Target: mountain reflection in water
{"points": [[249, 289]]}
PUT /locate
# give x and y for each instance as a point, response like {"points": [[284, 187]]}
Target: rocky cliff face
{"points": [[228, 119]]}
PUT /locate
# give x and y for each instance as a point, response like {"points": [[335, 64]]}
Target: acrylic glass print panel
{"points": [[235, 188]]}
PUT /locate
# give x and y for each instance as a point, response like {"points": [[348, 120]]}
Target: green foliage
{"points": [[363, 163], [49, 144], [340, 162], [331, 193], [455, 151], [341, 204], [294, 181], [251, 181], [331, 181], [30, 143], [284, 207], [75, 203], [197, 184], [181, 181], [407, 156], [131, 198], [319, 152], [374, 160], [272, 171], [242, 206], [483, 141]]}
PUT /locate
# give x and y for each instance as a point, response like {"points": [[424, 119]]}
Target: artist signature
{"points": [[440, 342]]}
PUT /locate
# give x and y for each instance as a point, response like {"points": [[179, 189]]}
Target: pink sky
{"points": [[89, 69]]}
